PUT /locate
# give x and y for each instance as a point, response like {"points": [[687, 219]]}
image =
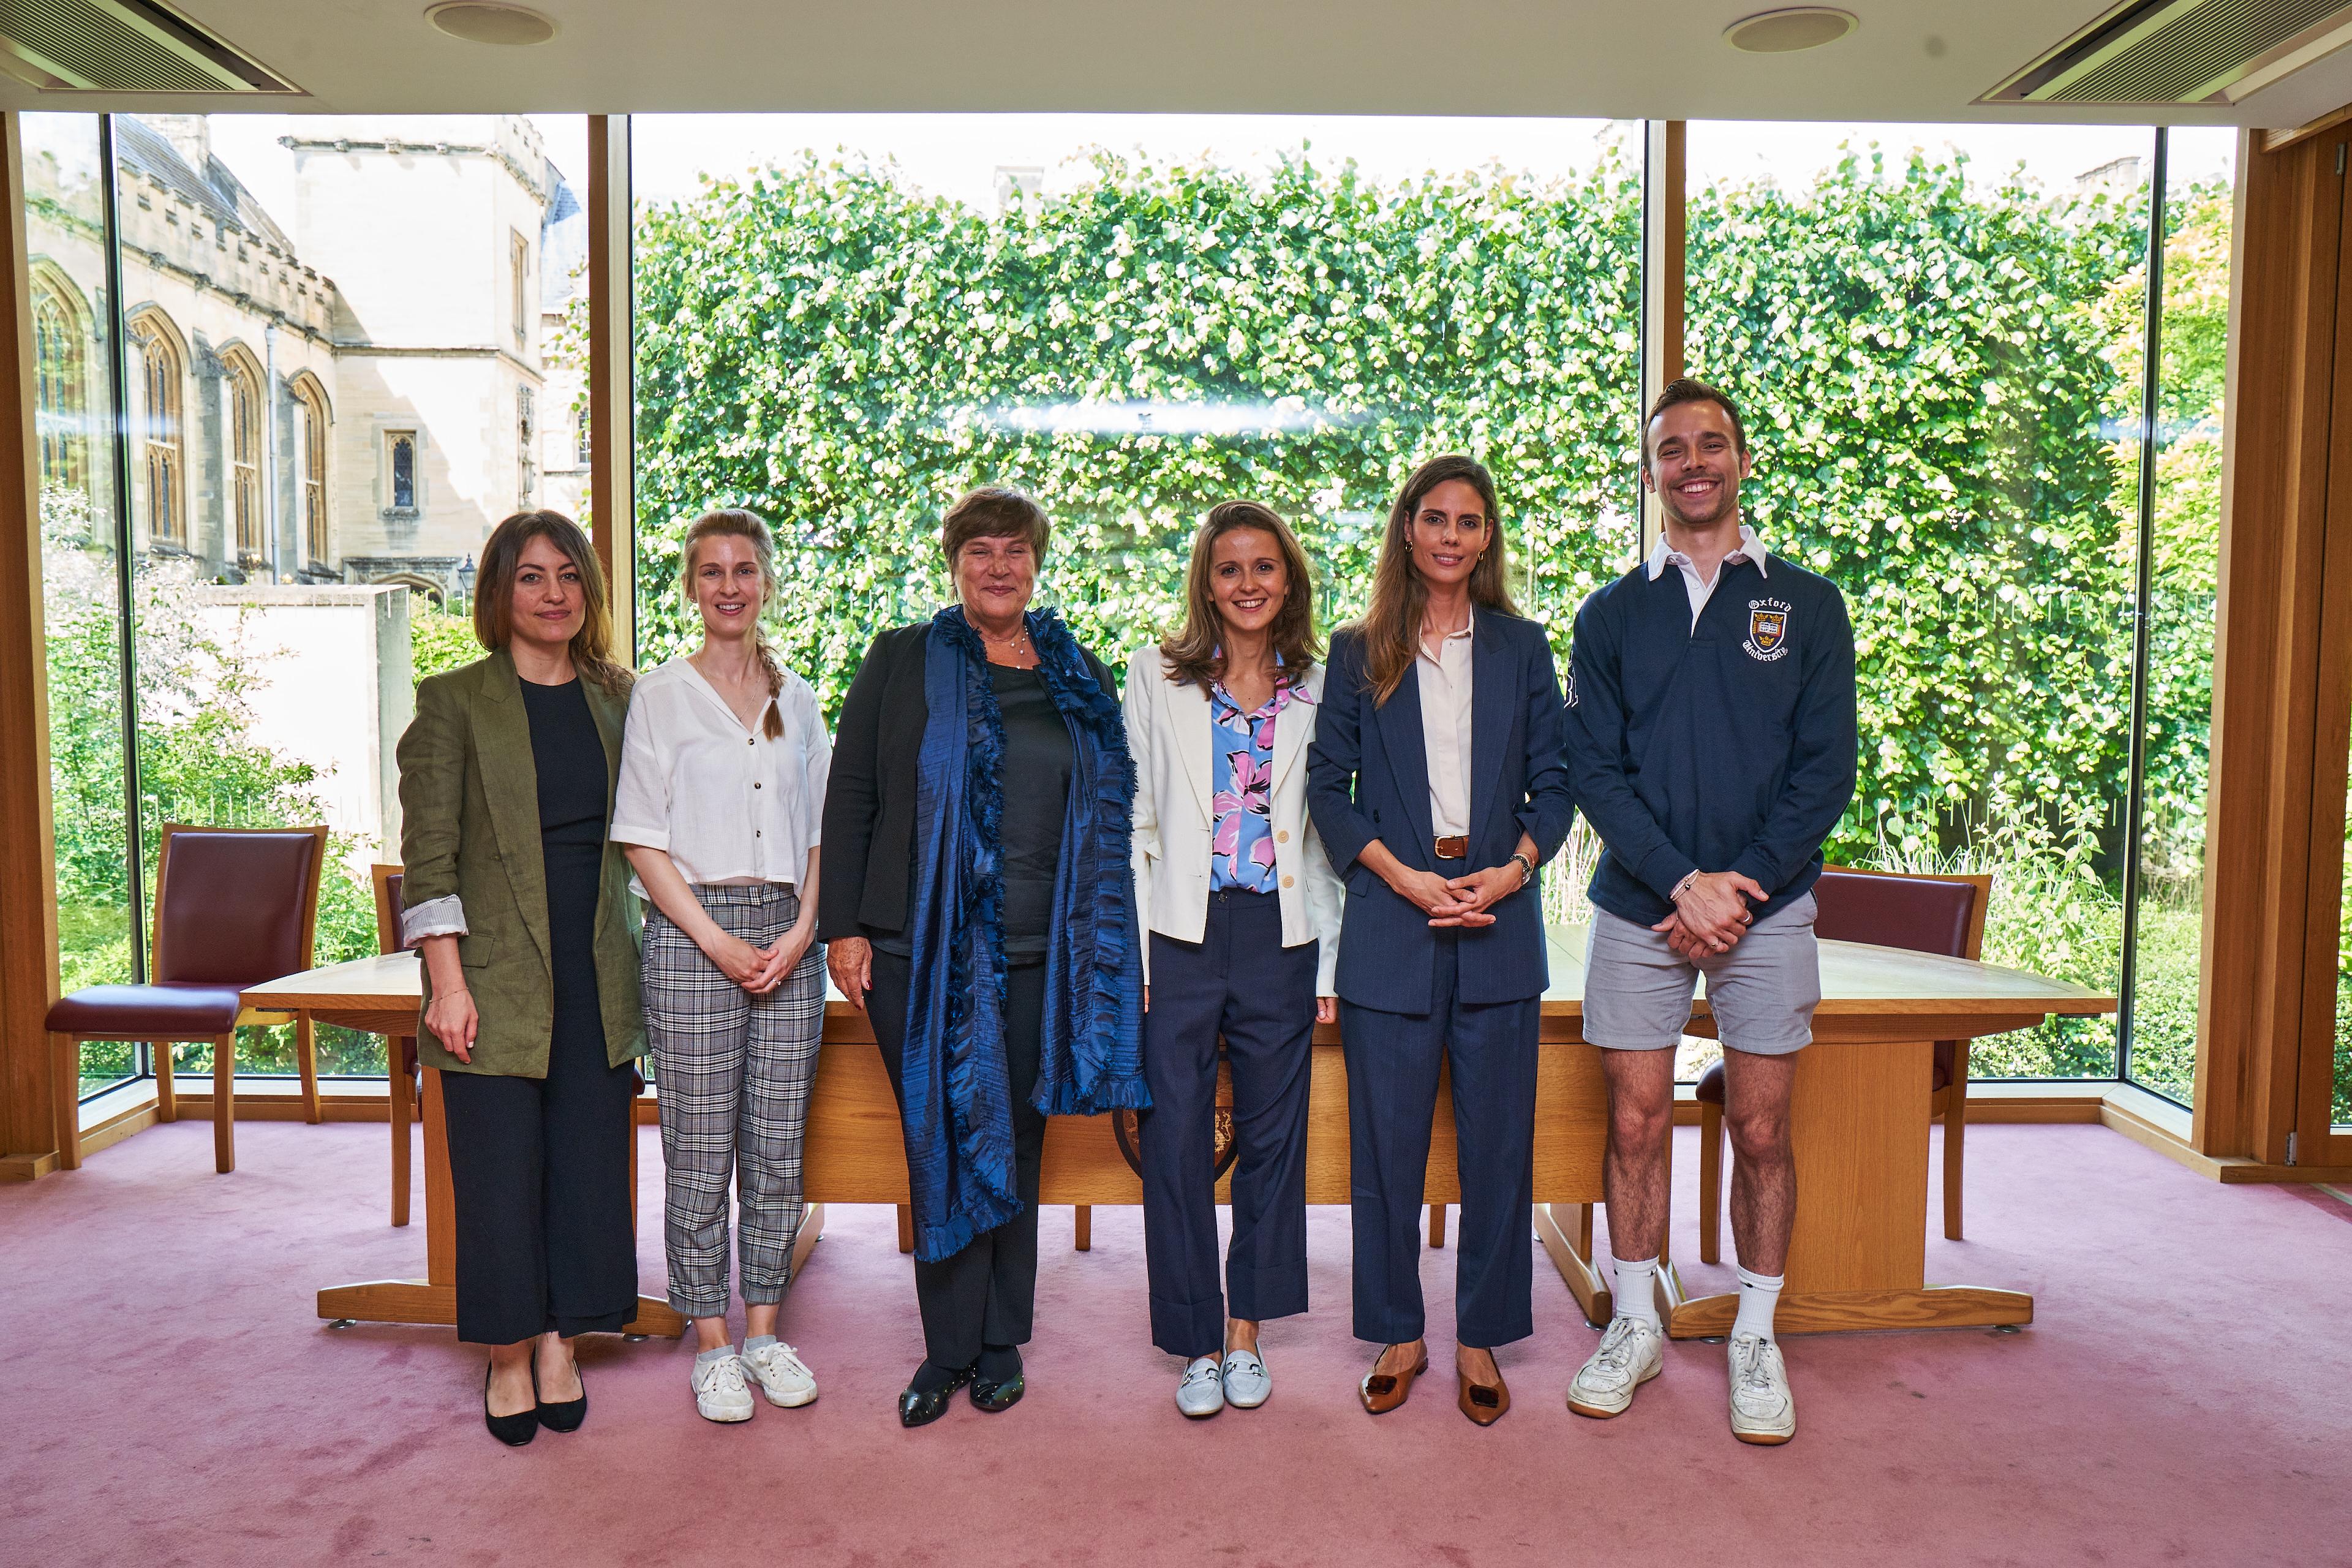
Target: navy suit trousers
{"points": [[1392, 1067], [1240, 981]]}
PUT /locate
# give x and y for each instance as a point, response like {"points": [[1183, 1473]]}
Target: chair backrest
{"points": [[387, 881], [236, 906], [1925, 914]]}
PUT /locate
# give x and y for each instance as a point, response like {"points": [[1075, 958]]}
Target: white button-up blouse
{"points": [[729, 804]]}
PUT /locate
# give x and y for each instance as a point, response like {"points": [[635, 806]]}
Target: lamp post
{"points": [[466, 581]]}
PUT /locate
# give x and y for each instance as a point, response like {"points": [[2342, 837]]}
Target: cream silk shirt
{"points": [[730, 805], [1750, 548], [1446, 729]]}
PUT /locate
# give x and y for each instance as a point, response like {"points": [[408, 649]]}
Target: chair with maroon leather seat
{"points": [[400, 1052], [234, 906], [1923, 915]]}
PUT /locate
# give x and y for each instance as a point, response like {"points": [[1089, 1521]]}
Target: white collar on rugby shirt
{"points": [[1750, 548]]}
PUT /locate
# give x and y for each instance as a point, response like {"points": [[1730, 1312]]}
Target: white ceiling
{"points": [[1910, 59]]}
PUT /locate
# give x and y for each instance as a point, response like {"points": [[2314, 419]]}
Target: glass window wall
{"points": [[74, 314], [1935, 330], [306, 304]]}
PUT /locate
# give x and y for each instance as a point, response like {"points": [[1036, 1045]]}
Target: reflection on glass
{"points": [[1926, 326], [2184, 565], [294, 290], [64, 225]]}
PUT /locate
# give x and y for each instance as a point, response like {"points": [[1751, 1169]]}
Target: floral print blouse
{"points": [[1241, 851]]}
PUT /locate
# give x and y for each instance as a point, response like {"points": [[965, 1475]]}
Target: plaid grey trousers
{"points": [[732, 1072]]}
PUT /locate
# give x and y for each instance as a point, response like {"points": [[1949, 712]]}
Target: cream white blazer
{"points": [[1168, 733]]}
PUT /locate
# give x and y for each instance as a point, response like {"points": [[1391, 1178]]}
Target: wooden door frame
{"points": [[2282, 658]]}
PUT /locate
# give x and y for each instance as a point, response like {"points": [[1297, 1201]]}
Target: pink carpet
{"points": [[170, 1399]]}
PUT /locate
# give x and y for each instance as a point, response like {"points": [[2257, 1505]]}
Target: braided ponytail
{"points": [[772, 725], [738, 523]]}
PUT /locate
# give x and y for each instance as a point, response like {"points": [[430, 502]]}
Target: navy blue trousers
{"points": [[1393, 1065], [1240, 981]]}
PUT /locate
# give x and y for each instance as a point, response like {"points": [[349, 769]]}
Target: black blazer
{"points": [[1368, 777], [869, 796]]}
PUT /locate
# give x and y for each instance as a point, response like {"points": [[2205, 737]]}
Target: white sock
{"points": [[1635, 1297], [1759, 1297]]}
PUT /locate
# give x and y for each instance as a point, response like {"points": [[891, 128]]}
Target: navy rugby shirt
{"points": [[1724, 746]]}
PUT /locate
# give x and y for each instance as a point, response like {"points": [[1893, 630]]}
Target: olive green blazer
{"points": [[469, 829]]}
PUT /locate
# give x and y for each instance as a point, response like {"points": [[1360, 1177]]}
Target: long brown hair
{"points": [[735, 522], [1390, 628], [592, 645], [1193, 655]]}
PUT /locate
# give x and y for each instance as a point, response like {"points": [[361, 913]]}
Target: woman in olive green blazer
{"points": [[520, 904]]}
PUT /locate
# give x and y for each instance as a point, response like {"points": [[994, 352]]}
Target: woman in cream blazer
{"points": [[1241, 910]]}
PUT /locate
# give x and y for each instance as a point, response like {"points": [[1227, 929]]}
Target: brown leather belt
{"points": [[1454, 848]]}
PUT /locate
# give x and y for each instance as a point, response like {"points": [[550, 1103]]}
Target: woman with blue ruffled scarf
{"points": [[979, 904]]}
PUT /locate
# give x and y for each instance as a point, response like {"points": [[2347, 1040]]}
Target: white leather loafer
{"points": [[1246, 1380]]}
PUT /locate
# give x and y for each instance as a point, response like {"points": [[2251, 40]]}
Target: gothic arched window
{"points": [[60, 380], [157, 430], [311, 468], [244, 457]]}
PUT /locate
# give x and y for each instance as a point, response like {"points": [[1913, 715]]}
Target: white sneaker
{"points": [[1246, 1383], [1203, 1392], [781, 1375], [719, 1390], [1762, 1408], [1632, 1352]]}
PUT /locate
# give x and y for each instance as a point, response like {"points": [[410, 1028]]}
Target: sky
{"points": [[957, 155]]}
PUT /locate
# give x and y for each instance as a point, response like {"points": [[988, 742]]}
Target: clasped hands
{"points": [[758, 970], [1465, 900], [1712, 913]]}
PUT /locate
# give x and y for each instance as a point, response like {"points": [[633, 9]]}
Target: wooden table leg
{"points": [[1083, 1227], [306, 1061], [1437, 1225], [1858, 1257], [224, 1103], [906, 1227], [812, 1231], [403, 1114], [1572, 1255], [434, 1299]]}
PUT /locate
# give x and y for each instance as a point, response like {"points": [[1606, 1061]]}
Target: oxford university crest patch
{"points": [[1768, 630]]}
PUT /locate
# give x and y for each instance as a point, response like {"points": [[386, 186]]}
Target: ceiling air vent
{"points": [[121, 46], [2182, 52]]}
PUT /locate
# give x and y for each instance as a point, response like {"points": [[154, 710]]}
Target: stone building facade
{"points": [[359, 401]]}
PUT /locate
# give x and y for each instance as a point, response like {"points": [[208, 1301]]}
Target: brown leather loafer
{"points": [[1382, 1392], [1482, 1403]]}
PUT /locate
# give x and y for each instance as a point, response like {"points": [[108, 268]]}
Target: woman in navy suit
{"points": [[1438, 782]]}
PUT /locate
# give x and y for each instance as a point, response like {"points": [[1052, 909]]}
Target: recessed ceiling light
{"points": [[1786, 31], [486, 22]]}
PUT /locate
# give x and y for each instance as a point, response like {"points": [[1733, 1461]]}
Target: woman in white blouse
{"points": [[1242, 908], [722, 785]]}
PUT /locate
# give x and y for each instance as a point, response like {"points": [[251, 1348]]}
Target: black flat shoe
{"points": [[564, 1415], [920, 1407], [993, 1396], [514, 1430]]}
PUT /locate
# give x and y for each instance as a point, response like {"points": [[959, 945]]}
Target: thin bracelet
{"points": [[1681, 887]]}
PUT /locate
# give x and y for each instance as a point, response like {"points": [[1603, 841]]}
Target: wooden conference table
{"points": [[1857, 1259]]}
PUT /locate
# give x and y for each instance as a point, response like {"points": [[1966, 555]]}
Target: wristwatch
{"points": [[1526, 867]]}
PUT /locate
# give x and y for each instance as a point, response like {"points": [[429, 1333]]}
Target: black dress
{"points": [[986, 1295], [539, 1167]]}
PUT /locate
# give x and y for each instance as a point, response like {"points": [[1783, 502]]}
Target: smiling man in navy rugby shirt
{"points": [[1711, 744]]}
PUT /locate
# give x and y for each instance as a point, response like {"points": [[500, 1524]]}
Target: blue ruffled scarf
{"points": [[957, 1090]]}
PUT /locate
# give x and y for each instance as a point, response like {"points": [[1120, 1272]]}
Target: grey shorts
{"points": [[1637, 989]]}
